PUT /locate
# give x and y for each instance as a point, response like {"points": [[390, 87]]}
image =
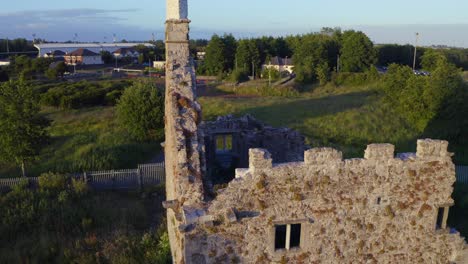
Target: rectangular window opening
{"points": [[223, 142], [440, 218], [280, 237], [295, 236]]}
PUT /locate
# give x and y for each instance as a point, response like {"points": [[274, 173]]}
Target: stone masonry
{"points": [[379, 209], [283, 143], [184, 142]]}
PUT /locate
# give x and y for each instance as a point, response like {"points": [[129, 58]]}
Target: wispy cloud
{"points": [[61, 24]]}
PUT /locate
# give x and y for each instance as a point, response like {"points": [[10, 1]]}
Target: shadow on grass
{"points": [[294, 112]]}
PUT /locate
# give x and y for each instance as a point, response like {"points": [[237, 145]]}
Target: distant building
{"points": [[4, 63], [55, 54], [201, 55], [83, 57], [160, 65], [94, 47], [280, 64], [126, 53]]}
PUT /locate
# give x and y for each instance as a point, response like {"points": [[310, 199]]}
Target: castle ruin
{"points": [[379, 209]]}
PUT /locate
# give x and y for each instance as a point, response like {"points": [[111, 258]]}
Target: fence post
{"points": [[113, 180], [140, 179], [85, 177]]}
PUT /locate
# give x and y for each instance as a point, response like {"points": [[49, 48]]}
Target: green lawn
{"points": [[86, 139], [346, 118]]}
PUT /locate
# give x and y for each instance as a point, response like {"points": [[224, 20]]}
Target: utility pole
{"points": [[114, 51], [415, 51], [269, 74], [7, 46]]}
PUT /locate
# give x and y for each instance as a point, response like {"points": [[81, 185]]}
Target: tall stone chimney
{"points": [[184, 143]]}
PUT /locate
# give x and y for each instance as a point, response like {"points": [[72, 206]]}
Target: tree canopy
{"points": [[357, 52], [22, 129], [140, 111]]}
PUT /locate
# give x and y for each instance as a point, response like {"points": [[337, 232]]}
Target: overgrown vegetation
{"points": [[82, 94], [64, 222], [22, 129], [90, 137], [356, 109], [141, 111]]}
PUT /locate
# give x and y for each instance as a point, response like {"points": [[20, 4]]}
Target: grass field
{"points": [[86, 139], [346, 118]]}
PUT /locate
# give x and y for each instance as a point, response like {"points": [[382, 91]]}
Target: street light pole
{"points": [[415, 51]]}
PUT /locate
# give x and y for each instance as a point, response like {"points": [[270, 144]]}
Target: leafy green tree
{"points": [[243, 56], [230, 46], [141, 111], [421, 99], [323, 73], [107, 57], [220, 54], [215, 59], [22, 129], [357, 52], [316, 50], [57, 71], [432, 59]]}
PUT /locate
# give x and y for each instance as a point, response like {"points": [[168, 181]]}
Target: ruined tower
{"points": [[183, 146], [378, 209]]}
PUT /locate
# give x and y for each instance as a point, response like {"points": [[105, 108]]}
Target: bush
{"points": [[140, 111], [113, 97], [52, 181], [275, 74], [238, 76], [71, 225], [83, 94], [355, 79]]}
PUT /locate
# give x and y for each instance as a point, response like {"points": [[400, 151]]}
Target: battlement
{"points": [[429, 148], [260, 159]]}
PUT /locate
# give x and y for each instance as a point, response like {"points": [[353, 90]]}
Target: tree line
{"points": [[315, 55]]}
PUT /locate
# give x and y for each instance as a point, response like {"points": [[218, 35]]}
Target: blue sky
{"points": [[391, 21]]}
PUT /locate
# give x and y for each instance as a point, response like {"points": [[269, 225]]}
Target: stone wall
{"points": [[324, 209], [246, 132], [373, 210], [184, 141]]}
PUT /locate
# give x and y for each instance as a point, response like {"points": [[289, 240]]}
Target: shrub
{"points": [[83, 94], [52, 181], [140, 111], [238, 76]]}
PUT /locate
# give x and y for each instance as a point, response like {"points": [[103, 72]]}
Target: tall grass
{"points": [[86, 139], [345, 117]]}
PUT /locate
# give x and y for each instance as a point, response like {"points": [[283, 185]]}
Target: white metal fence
{"points": [[129, 179]]}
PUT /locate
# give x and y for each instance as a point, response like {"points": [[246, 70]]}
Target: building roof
{"points": [[56, 53], [124, 51], [83, 53], [281, 61]]}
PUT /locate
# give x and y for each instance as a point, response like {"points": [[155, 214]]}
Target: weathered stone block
{"points": [[318, 156], [428, 148], [379, 152], [260, 159]]}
